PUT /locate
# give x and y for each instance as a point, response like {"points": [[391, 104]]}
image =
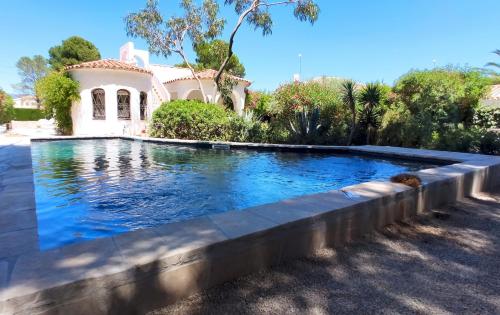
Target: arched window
{"points": [[123, 97], [143, 105], [98, 104]]}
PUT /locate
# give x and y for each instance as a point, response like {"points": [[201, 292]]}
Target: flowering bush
{"points": [[298, 97]]}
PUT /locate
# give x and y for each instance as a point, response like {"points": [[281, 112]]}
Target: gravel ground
{"points": [[446, 262]]}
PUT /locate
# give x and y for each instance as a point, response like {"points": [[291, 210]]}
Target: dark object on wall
{"points": [[407, 179]]}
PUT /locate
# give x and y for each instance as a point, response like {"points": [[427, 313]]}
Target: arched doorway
{"points": [[230, 102], [195, 95]]}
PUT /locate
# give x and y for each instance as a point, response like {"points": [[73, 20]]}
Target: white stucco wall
{"points": [[135, 82], [183, 88], [110, 81], [167, 73]]}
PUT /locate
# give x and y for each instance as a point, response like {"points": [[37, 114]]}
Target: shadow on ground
{"points": [[446, 262]]}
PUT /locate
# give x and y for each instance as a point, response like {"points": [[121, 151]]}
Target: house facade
{"points": [[26, 102], [118, 97]]}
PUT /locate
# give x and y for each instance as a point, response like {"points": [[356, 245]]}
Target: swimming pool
{"points": [[88, 189]]}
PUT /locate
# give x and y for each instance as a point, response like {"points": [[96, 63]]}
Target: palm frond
{"points": [[371, 95], [493, 64]]}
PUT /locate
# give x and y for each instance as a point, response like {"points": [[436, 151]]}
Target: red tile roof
{"points": [[207, 74], [108, 64]]}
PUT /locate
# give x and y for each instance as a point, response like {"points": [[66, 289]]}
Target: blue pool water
{"points": [[88, 189]]}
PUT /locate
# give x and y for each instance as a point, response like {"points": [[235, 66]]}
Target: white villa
{"points": [[26, 101], [119, 96]]}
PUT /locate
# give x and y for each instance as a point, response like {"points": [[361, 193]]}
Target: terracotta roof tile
{"points": [[108, 64], [206, 74]]}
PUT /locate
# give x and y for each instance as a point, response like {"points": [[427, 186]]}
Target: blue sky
{"points": [[365, 39]]}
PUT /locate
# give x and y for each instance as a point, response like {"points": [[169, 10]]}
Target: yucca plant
{"points": [[370, 97], [305, 125], [349, 98]]}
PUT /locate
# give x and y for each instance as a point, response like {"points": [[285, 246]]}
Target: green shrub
{"points": [[487, 117], [194, 120], [394, 127], [437, 99], [57, 92], [28, 114], [490, 143], [437, 109], [6, 107], [249, 129], [458, 138], [260, 104]]}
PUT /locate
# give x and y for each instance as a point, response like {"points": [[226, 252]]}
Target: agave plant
{"points": [[370, 97], [349, 98], [306, 125]]}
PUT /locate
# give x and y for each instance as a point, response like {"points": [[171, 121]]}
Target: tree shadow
{"points": [[426, 265]]}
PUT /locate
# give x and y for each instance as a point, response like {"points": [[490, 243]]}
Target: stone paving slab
{"points": [[4, 269], [132, 272], [235, 224], [19, 220]]}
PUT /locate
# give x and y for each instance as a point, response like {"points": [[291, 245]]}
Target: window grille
{"points": [[123, 104], [143, 105], [99, 104]]}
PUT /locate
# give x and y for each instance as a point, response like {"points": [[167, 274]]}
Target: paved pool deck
{"points": [[142, 270]]}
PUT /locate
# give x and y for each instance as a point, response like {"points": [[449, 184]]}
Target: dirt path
{"points": [[447, 262]]}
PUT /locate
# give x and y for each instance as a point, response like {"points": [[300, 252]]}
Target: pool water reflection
{"points": [[87, 189]]}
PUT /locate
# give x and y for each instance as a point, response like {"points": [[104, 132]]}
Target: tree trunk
{"points": [[368, 134], [200, 84], [353, 127], [231, 42]]}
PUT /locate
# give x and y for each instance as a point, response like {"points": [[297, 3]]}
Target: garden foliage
{"points": [[182, 119], [72, 51], [436, 109], [6, 107], [57, 92], [28, 114]]}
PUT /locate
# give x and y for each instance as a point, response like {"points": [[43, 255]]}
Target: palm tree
{"points": [[349, 96], [370, 97], [494, 64]]}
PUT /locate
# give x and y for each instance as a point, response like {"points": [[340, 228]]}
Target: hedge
{"points": [[28, 114]]}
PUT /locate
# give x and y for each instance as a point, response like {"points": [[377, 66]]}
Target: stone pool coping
{"points": [[140, 270]]}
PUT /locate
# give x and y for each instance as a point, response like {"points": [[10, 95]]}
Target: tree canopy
{"points": [[167, 36], [257, 14], [30, 70], [72, 51], [211, 55]]}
